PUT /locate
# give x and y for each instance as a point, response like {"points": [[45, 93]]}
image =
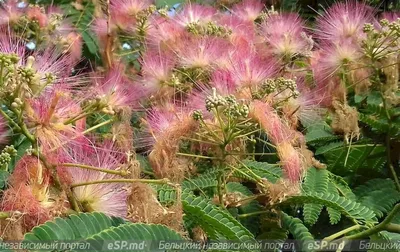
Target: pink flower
{"points": [[163, 33], [248, 69], [241, 29], [201, 52], [271, 123], [109, 198], [285, 35], [116, 92], [390, 16], [248, 10], [128, 8], [47, 114], [10, 44], [10, 13], [157, 67], [223, 83], [344, 21], [195, 13], [38, 15], [336, 56], [290, 161]]}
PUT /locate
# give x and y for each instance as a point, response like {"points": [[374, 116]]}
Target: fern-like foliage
{"points": [[216, 222], [379, 195], [95, 228], [315, 181], [253, 170], [299, 231], [349, 208]]}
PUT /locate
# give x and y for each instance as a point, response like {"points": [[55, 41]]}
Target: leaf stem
{"points": [[105, 181], [93, 168]]}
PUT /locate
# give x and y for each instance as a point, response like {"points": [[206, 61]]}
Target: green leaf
{"points": [[329, 147], [75, 227], [216, 222], [349, 208], [3, 178], [271, 172], [299, 231], [319, 133], [334, 214], [316, 180]]}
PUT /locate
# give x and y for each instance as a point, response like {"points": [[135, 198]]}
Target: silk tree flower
{"points": [[165, 126], [344, 21], [10, 13], [128, 8], [221, 82], [390, 16], [157, 68], [47, 114], [35, 13], [241, 30], [115, 92], [339, 56], [29, 192], [248, 70], [47, 68], [109, 198], [276, 130], [248, 10], [195, 14], [281, 135], [201, 52], [163, 33], [285, 35]]}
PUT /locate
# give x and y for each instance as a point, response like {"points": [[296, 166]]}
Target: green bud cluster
{"points": [[197, 115], [6, 155], [210, 29], [214, 101], [235, 109], [7, 60]]}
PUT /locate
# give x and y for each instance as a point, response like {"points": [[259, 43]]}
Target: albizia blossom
{"points": [[47, 115], [201, 52], [10, 12], [344, 21], [128, 8], [157, 68], [109, 198], [195, 13], [248, 10], [249, 70], [165, 128], [116, 92], [285, 35], [163, 33]]}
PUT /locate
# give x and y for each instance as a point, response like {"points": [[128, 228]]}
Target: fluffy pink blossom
{"points": [[116, 92], [35, 13], [277, 131], [240, 29], [201, 52], [248, 10], [336, 56], [195, 13], [10, 13], [285, 35], [109, 198], [156, 68], [221, 82], [248, 69], [390, 16], [163, 33], [344, 21], [47, 115], [128, 8]]}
